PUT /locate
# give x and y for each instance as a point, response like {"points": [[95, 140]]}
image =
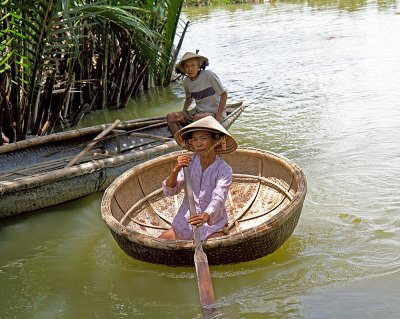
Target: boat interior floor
{"points": [[252, 200]]}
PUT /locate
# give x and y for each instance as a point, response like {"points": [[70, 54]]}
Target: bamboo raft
{"points": [[56, 168], [264, 205]]}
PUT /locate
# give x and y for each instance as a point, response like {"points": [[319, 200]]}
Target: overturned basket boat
{"points": [[264, 205]]}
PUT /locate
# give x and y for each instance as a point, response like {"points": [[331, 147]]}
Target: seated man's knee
{"points": [[199, 116], [171, 117]]}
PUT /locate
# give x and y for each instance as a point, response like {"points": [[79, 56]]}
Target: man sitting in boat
{"points": [[210, 175], [201, 85]]}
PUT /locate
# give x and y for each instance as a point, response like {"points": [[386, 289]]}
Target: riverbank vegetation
{"points": [[60, 59]]}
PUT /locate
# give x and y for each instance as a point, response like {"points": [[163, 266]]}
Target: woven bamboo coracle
{"points": [[264, 205]]}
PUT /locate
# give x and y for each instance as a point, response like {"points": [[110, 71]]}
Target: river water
{"points": [[322, 79]]}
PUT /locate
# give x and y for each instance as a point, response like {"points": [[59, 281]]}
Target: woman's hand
{"points": [[182, 161], [199, 219]]}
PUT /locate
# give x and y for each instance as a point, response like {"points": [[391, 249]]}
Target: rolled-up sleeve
{"points": [[171, 191], [220, 192]]}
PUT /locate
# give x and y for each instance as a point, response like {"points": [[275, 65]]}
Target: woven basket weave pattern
{"points": [[253, 248]]}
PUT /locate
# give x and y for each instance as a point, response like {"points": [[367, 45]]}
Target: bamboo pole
{"points": [[90, 146]]}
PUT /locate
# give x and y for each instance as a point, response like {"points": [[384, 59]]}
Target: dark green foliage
{"points": [[60, 58]]}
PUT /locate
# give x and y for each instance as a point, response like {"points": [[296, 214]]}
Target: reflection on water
{"points": [[322, 79]]}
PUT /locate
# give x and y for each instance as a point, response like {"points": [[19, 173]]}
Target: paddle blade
{"points": [[206, 290]]}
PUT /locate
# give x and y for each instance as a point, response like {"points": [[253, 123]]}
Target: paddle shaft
{"points": [[91, 145], [206, 290]]}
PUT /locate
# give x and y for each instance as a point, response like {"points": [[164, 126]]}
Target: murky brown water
{"points": [[323, 82]]}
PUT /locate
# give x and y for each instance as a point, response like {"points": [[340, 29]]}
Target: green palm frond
{"points": [[100, 48], [121, 16], [166, 25]]}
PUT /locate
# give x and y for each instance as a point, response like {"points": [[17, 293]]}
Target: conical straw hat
{"points": [[208, 123], [191, 55]]}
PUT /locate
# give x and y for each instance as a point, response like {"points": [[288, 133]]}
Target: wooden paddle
{"points": [[206, 290]]}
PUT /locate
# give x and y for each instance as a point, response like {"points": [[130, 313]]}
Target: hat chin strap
{"points": [[221, 141]]}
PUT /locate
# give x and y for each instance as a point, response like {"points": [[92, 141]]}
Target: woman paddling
{"points": [[210, 175]]}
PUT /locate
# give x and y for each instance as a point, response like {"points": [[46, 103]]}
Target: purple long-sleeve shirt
{"points": [[210, 189]]}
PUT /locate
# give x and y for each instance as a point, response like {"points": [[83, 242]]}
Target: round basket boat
{"points": [[264, 205]]}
